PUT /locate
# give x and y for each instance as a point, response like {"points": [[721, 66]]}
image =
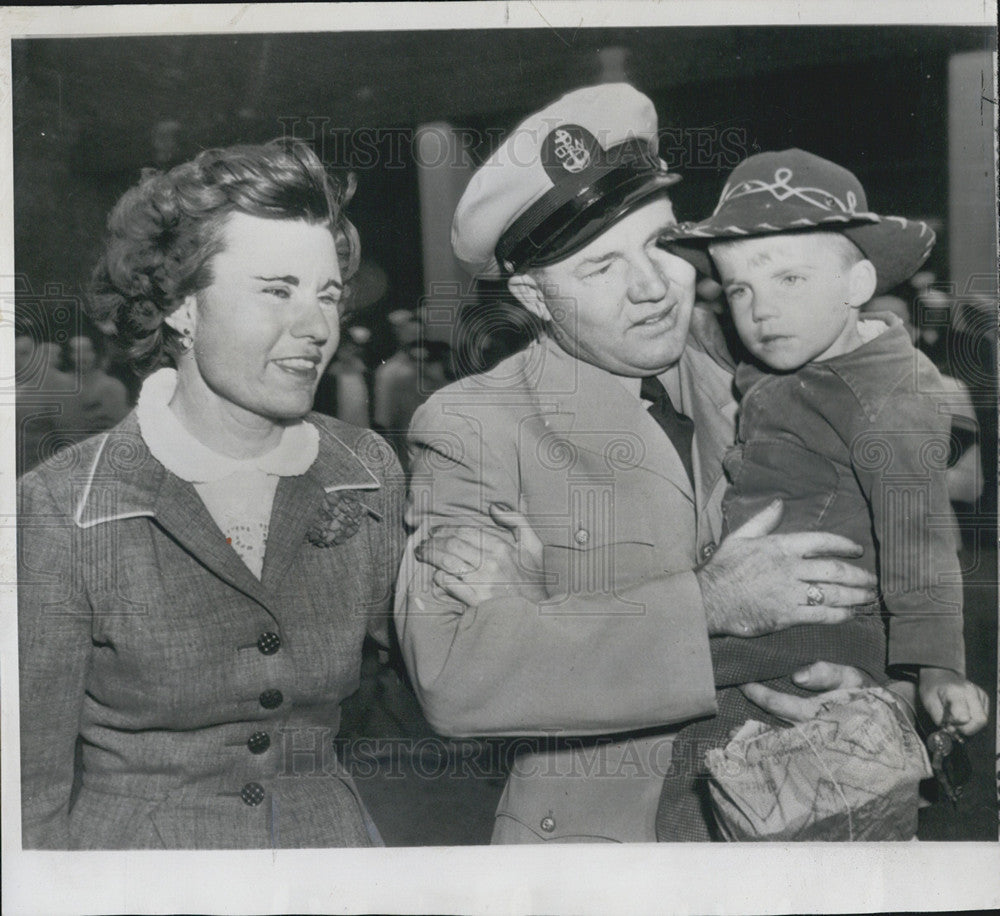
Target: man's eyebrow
{"points": [[598, 258]]}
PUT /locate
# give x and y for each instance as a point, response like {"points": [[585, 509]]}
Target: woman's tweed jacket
{"points": [[168, 697]]}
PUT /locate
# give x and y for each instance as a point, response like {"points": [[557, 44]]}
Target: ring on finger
{"points": [[814, 595]]}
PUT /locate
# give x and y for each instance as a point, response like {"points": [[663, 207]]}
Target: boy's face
{"points": [[794, 298]]}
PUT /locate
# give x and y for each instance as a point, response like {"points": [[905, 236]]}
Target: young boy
{"points": [[836, 420]]}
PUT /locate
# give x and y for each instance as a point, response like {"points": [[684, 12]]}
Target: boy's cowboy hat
{"points": [[795, 191]]}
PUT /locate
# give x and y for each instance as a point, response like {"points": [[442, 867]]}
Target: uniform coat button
{"points": [[271, 699], [582, 536], [259, 742], [708, 550], [252, 794], [548, 823], [268, 643]]}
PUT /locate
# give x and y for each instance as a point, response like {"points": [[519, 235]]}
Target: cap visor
{"points": [[601, 215]]}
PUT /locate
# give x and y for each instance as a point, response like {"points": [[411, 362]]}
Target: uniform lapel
{"points": [[607, 419]]}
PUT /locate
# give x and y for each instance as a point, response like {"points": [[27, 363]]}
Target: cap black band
{"points": [[575, 208]]}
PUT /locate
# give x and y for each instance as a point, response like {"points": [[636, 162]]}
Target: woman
{"points": [[195, 584]]}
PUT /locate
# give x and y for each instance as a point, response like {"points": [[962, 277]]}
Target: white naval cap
{"points": [[561, 177]]}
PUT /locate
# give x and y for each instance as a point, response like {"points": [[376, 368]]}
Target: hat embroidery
{"points": [[781, 190], [570, 151]]}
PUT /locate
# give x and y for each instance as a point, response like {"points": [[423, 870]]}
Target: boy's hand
{"points": [[952, 702], [829, 680]]}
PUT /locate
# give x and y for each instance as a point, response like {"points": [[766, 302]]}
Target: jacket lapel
{"points": [[298, 500], [180, 511], [589, 397], [126, 481]]}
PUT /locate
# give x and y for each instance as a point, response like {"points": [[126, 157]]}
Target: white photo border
{"points": [[578, 879]]}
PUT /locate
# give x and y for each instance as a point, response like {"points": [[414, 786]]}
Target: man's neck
{"points": [[631, 383]]}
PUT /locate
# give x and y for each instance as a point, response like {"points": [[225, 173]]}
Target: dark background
{"points": [[85, 111]]}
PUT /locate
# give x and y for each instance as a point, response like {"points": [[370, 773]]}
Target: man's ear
{"points": [[184, 318], [528, 292], [862, 280]]}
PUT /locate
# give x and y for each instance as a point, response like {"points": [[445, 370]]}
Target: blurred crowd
{"points": [[69, 390], [383, 394], [75, 388], [64, 394]]}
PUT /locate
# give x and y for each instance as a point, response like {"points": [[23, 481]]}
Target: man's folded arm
{"points": [[633, 656]]}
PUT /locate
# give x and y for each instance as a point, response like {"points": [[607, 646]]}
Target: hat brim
{"points": [[599, 216], [896, 246]]}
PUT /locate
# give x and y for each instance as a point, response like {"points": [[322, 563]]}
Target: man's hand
{"points": [[475, 564], [758, 582], [828, 679]]}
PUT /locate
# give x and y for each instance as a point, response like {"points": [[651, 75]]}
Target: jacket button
{"points": [[252, 794], [548, 824], [268, 643], [271, 699], [582, 536], [708, 550], [259, 742]]}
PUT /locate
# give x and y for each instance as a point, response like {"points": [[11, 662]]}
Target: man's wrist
{"points": [[715, 615]]}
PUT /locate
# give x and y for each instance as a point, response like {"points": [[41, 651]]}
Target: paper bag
{"points": [[851, 773]]}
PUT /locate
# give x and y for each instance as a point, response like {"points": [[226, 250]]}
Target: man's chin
{"points": [[665, 356], [653, 366]]}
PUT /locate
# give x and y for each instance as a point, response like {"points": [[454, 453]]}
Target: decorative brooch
{"points": [[338, 519]]}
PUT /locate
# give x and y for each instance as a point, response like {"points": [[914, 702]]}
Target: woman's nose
{"points": [[312, 320]]}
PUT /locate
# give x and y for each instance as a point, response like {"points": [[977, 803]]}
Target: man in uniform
{"points": [[588, 469]]}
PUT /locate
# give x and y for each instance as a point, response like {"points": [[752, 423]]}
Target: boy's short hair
{"points": [[849, 253]]}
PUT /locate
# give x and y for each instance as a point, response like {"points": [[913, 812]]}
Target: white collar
{"points": [[870, 328], [191, 460]]}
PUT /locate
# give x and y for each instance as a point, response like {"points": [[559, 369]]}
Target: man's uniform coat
{"points": [[621, 645]]}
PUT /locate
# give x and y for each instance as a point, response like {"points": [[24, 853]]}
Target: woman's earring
{"points": [[187, 340]]}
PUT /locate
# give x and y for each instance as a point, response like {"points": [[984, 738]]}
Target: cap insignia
{"points": [[567, 149]]}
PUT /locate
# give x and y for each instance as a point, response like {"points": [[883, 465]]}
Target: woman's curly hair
{"points": [[164, 231]]}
